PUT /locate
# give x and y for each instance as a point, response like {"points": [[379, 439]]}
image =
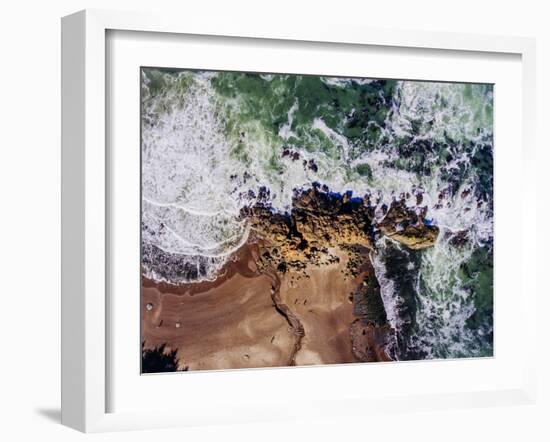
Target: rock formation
{"points": [[319, 228], [408, 226]]}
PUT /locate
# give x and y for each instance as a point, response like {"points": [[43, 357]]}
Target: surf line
{"points": [[293, 320]]}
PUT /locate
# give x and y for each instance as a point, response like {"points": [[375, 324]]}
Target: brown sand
{"points": [[246, 319], [322, 304], [233, 325]]}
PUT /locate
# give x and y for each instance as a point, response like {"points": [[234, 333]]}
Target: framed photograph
{"points": [[257, 212]]}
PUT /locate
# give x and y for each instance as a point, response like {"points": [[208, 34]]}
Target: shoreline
{"points": [[301, 291]]}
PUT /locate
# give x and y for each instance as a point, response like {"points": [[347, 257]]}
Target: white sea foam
{"points": [[285, 132], [390, 298], [444, 305], [339, 140], [440, 110], [343, 82], [186, 171]]}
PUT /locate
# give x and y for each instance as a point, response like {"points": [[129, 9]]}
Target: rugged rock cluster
{"points": [[321, 220], [408, 226]]}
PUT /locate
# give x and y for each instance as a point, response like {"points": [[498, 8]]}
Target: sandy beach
{"points": [[250, 319], [228, 323]]}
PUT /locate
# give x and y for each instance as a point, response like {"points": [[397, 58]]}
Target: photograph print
{"points": [[296, 220]]}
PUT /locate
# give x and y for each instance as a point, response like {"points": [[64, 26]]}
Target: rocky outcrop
{"points": [[320, 220], [319, 228], [409, 226]]}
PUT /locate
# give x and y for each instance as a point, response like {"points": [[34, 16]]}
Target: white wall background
{"points": [[30, 216]]}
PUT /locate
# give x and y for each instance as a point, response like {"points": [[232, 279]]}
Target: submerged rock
{"points": [[458, 239]]}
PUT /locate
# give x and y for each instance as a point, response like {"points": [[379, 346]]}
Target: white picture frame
{"points": [[85, 201]]}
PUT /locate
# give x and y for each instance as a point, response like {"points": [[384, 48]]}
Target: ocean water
{"points": [[210, 140]]}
